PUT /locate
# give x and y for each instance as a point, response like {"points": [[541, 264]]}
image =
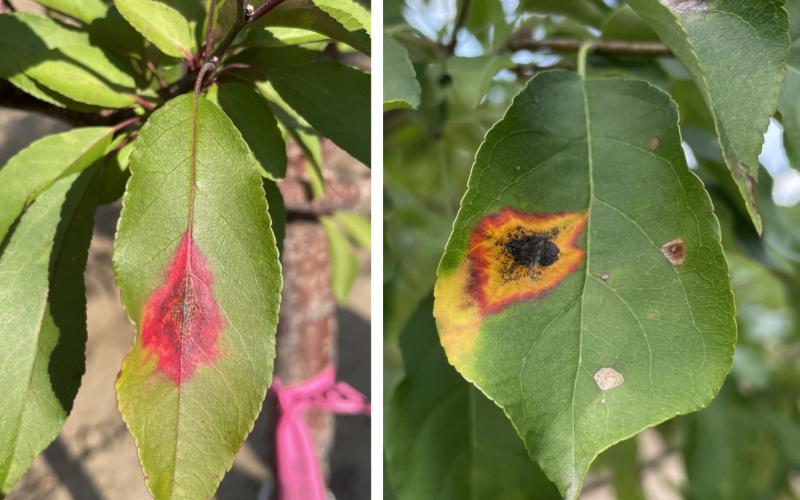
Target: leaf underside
{"points": [[736, 52]]}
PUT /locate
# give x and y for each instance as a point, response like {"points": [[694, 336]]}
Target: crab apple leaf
{"points": [[197, 268], [35, 168], [162, 24], [84, 11], [227, 13], [332, 98], [735, 51], [342, 20], [400, 86], [85, 74], [43, 320], [250, 112], [444, 439], [26, 38], [583, 288], [49, 61]]}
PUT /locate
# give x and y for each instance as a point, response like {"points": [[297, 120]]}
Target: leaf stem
{"points": [[212, 4], [130, 121], [583, 54]]}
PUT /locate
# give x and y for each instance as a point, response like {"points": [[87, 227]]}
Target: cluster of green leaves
{"points": [[607, 139], [197, 100]]}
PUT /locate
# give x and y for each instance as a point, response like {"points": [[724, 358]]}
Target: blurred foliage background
{"points": [[469, 61]]}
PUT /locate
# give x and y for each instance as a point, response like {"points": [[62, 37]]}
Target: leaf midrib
{"points": [[590, 160], [187, 273]]}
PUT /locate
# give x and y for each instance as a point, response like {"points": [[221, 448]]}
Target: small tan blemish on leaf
{"points": [[674, 251], [654, 143], [604, 277], [688, 5], [608, 378]]}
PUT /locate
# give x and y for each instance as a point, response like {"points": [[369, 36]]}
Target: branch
{"points": [[460, 20], [574, 44]]}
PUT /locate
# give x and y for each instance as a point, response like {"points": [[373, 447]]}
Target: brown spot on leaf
{"points": [[674, 251], [604, 277], [608, 378], [654, 143]]}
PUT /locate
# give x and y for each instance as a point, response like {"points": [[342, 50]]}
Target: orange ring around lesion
{"points": [[515, 256], [511, 256]]}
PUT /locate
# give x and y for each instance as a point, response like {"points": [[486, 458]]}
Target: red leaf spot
{"points": [[181, 320]]}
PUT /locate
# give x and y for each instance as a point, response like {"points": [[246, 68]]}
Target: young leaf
{"points": [[333, 98], [400, 86], [584, 287], [253, 117], [43, 320], [344, 265], [444, 439], [198, 272], [166, 27], [342, 20], [736, 52], [472, 76], [35, 168]]}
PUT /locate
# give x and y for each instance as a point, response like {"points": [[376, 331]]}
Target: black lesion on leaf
{"points": [[525, 253]]}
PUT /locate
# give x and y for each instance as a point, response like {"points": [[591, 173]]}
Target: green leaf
{"points": [[624, 460], [584, 288], [227, 15], [34, 169], [86, 74], [472, 76], [344, 265], [356, 225], [584, 11], [277, 212], [444, 439], [400, 86], [279, 37], [732, 452], [114, 173], [43, 320], [342, 20], [625, 24], [26, 37], [789, 107], [333, 98], [250, 112], [736, 52], [198, 271], [165, 26], [85, 11]]}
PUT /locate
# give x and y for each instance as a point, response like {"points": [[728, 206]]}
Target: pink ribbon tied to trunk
{"points": [[299, 472]]}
